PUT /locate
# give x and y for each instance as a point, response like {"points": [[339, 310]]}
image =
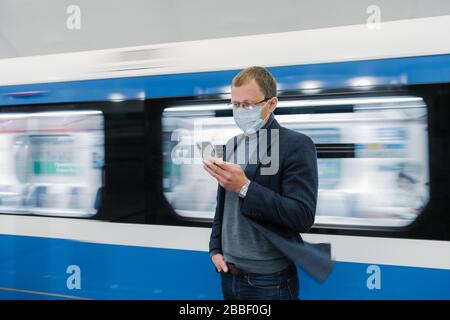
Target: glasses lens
{"points": [[246, 105]]}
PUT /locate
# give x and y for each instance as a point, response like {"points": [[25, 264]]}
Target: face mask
{"points": [[248, 120]]}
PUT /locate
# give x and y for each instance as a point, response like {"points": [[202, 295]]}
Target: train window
{"points": [[51, 162], [372, 157]]}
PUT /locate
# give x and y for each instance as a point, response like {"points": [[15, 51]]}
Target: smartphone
{"points": [[207, 150]]}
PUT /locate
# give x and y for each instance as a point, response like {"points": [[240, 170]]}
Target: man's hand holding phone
{"points": [[229, 175]]}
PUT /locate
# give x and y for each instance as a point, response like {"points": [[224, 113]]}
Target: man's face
{"points": [[251, 93]]}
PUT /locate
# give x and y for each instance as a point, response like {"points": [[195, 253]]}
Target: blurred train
{"points": [[102, 195]]}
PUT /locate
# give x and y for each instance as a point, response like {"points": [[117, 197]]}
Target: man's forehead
{"points": [[248, 91]]}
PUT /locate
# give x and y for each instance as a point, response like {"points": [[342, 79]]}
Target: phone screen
{"points": [[206, 149]]}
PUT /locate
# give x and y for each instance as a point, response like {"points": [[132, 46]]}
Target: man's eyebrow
{"points": [[246, 100]]}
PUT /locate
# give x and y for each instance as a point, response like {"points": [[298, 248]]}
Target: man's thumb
{"points": [[224, 266]]}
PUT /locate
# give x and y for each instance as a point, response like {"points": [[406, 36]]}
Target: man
{"points": [[261, 211]]}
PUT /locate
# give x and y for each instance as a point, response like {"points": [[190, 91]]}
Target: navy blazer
{"points": [[283, 204]]}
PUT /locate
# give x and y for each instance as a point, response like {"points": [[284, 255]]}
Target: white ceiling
{"points": [[29, 27]]}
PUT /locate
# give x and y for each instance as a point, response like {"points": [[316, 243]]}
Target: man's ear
{"points": [[273, 104]]}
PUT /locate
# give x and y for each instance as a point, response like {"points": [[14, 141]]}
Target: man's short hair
{"points": [[263, 78]]}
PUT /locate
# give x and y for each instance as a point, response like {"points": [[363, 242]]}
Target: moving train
{"points": [[102, 194]]}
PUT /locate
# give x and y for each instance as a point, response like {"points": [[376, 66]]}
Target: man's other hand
{"points": [[219, 262]]}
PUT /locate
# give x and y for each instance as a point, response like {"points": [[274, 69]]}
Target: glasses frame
{"points": [[250, 106]]}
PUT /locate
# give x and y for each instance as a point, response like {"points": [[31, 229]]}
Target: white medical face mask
{"points": [[248, 120]]}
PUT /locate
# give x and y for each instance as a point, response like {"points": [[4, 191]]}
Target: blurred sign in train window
{"points": [[51, 163], [372, 157]]}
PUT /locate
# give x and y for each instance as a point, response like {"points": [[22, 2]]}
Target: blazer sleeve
{"points": [[215, 240], [294, 207]]}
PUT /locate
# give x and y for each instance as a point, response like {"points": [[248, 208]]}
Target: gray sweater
{"points": [[242, 244]]}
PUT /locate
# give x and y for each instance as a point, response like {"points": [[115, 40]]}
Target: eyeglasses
{"points": [[245, 104]]}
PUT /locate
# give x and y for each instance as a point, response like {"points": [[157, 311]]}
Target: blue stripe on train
{"points": [[127, 272], [395, 71]]}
